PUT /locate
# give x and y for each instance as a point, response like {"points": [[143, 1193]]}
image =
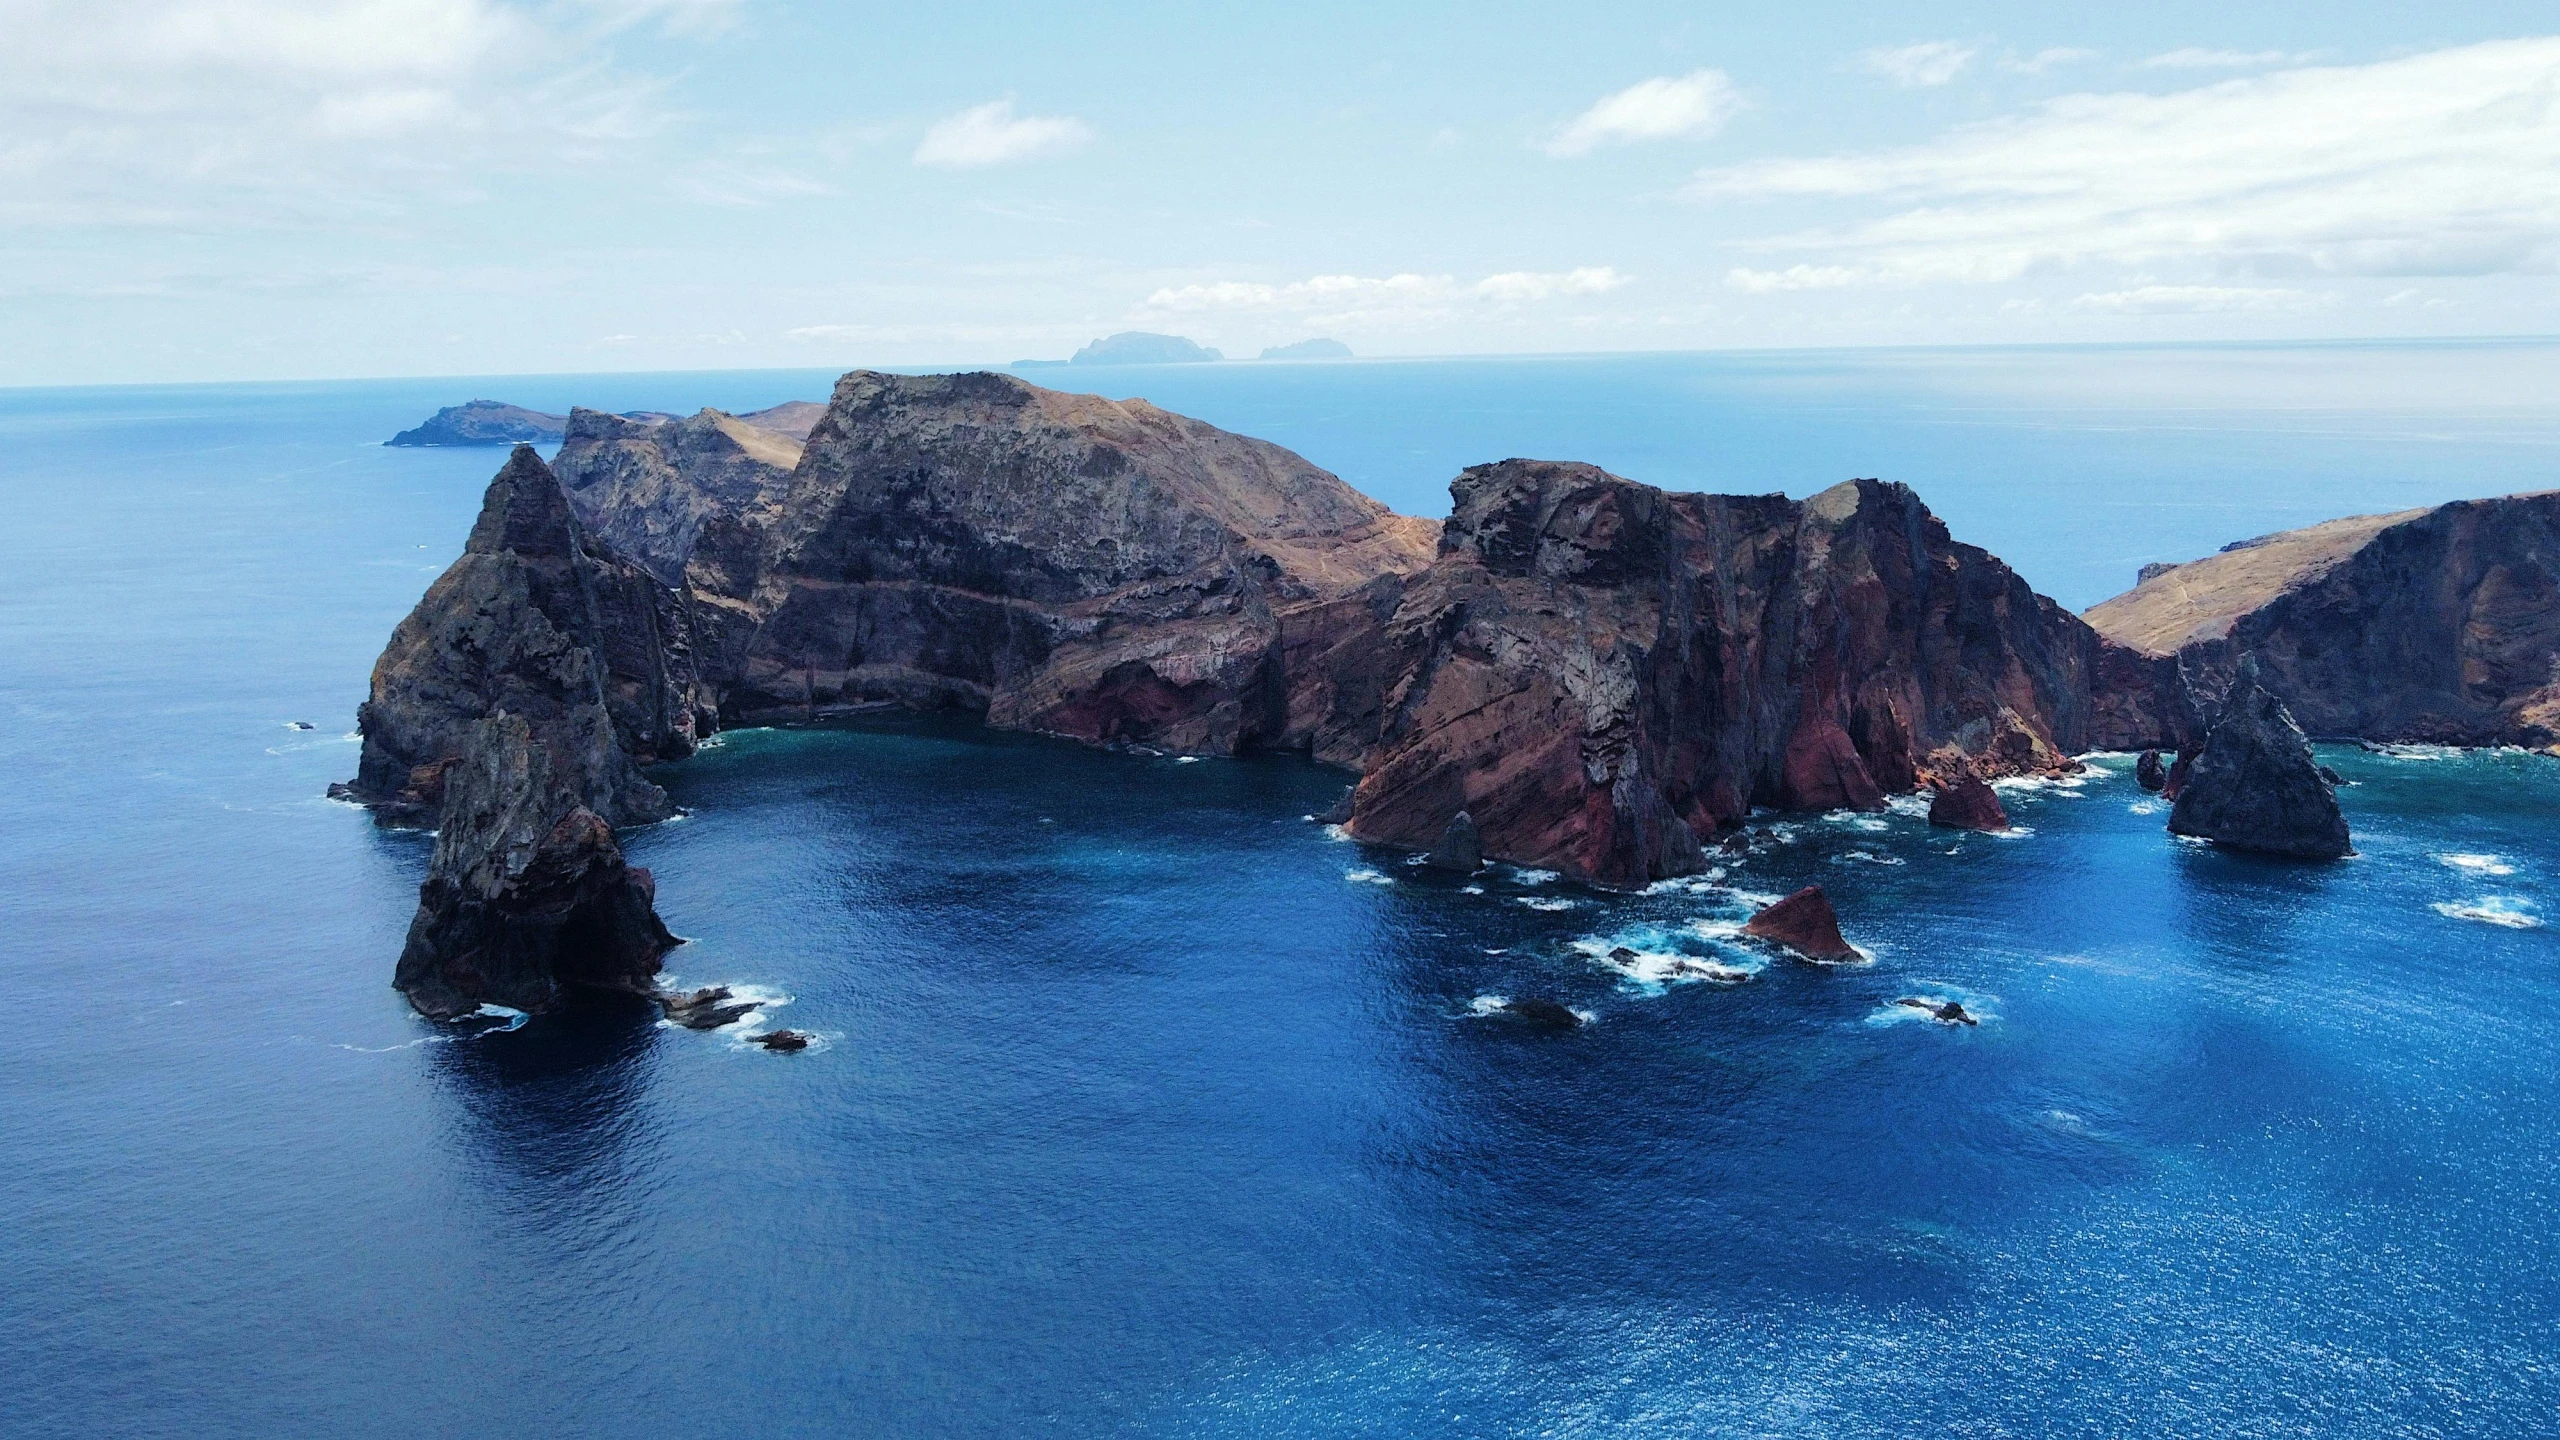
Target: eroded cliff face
{"points": [[512, 710], [1061, 563], [1601, 672], [538, 620], [2434, 625], [645, 488], [528, 892]]}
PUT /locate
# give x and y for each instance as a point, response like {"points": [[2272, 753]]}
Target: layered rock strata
{"points": [[1601, 673], [2438, 625], [2255, 785]]}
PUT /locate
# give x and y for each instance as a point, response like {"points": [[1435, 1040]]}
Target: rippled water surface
{"points": [[1144, 1105]]}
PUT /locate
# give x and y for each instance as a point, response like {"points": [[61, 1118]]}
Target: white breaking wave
{"points": [[2505, 910], [2478, 864], [1365, 876]]}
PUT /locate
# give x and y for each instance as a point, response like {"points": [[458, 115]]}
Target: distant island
{"points": [[485, 422], [1139, 347], [495, 422], [1308, 350]]}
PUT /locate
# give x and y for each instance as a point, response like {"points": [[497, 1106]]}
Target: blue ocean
{"points": [[1144, 1105]]}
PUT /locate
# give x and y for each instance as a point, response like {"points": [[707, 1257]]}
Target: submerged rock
{"points": [[1968, 804], [1804, 923], [1945, 1012], [1543, 1012], [2149, 773], [1460, 848], [2255, 786]]}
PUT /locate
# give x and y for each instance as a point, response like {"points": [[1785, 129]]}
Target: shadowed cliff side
{"points": [[2434, 625], [1601, 672]]}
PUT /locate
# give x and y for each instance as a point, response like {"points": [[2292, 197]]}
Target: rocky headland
{"points": [[1601, 673], [2438, 625], [1576, 672], [494, 422]]}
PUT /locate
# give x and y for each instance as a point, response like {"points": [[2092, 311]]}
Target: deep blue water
{"points": [[1147, 1107]]}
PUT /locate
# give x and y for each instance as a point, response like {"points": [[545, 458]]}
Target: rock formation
{"points": [[1108, 572], [1968, 804], [1597, 673], [528, 891], [2254, 785], [1601, 672], [483, 422], [2149, 773], [1945, 1012], [1460, 847], [2437, 625], [645, 488], [1805, 924]]}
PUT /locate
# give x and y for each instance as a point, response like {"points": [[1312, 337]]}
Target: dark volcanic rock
{"points": [[1968, 804], [2425, 625], [484, 422], [2179, 769], [2255, 786], [646, 488], [2149, 773], [1460, 848], [1805, 924], [581, 646], [1108, 572], [528, 892], [1945, 1012], [705, 1009], [785, 1041], [1601, 672], [1542, 1012]]}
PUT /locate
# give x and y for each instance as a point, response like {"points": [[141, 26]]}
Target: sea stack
{"points": [[1461, 846], [2149, 773], [2254, 785], [528, 891], [1968, 804], [1805, 924]]}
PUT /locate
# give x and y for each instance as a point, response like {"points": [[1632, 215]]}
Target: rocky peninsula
{"points": [[1576, 671], [2435, 625]]}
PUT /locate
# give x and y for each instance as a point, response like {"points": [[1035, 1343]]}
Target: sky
{"points": [[286, 189]]}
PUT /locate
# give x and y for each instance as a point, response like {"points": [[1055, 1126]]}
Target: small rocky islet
{"points": [[1574, 672]]}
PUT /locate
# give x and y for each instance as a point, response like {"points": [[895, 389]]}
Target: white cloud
{"points": [[1357, 299], [2193, 58], [2046, 59], [1693, 106], [1794, 277], [1930, 62], [1521, 286], [991, 134], [157, 111], [2203, 300], [2438, 164]]}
